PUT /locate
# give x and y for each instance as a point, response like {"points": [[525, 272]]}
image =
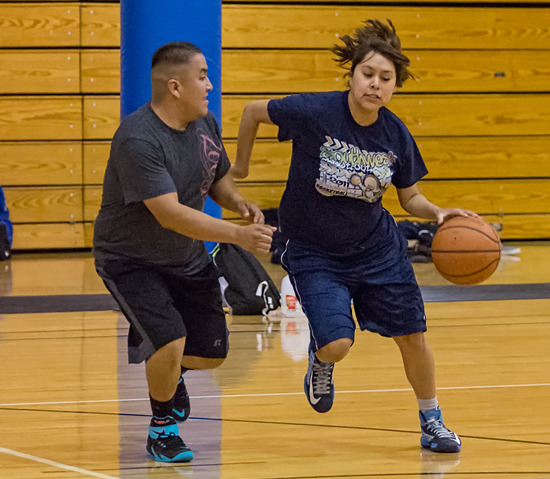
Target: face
{"points": [[191, 87], [372, 84]]}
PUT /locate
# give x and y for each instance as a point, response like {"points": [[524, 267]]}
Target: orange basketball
{"points": [[466, 250]]}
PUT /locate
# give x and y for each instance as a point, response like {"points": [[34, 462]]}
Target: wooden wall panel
{"points": [[295, 26], [49, 163], [39, 71], [100, 71], [48, 236], [405, 1], [270, 160], [101, 117], [439, 115], [100, 25], [486, 157], [317, 26], [39, 25], [523, 226], [446, 158], [94, 161], [40, 118], [296, 71], [44, 205], [92, 202]]}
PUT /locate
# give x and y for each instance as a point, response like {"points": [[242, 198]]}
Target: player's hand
{"points": [[255, 238], [444, 214], [250, 212]]}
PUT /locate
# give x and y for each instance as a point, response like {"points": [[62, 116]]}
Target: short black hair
{"points": [[175, 53]]}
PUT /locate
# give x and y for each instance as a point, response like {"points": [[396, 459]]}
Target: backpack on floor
{"points": [[6, 229], [246, 286]]}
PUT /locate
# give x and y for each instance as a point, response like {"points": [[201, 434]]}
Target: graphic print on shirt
{"points": [[346, 170], [210, 153]]}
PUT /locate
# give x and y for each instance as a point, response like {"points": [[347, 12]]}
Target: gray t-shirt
{"points": [[150, 159]]}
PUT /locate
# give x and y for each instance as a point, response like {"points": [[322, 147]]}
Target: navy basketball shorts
{"points": [[385, 294], [162, 307]]}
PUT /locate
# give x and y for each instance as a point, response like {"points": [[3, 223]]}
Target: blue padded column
{"points": [[147, 25]]}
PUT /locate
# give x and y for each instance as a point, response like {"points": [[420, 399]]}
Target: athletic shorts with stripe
{"points": [[162, 307]]}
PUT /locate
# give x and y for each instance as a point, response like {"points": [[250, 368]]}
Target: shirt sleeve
{"points": [[291, 114], [410, 166], [141, 171]]}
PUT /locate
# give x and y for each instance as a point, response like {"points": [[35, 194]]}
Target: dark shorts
{"points": [[162, 307], [385, 294]]}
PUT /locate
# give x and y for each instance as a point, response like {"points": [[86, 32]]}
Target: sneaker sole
{"points": [[186, 456], [436, 448]]}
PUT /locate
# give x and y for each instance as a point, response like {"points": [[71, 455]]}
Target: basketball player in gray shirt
{"points": [[148, 240]]}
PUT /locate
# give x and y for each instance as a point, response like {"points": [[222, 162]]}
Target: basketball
{"points": [[466, 250]]}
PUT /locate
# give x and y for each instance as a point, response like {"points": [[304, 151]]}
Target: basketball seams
{"points": [[471, 229], [474, 272]]}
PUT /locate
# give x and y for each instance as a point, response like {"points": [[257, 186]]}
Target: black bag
{"points": [[249, 289], [5, 246]]}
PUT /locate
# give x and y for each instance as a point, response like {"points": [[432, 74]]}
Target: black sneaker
{"points": [[318, 384], [164, 443], [182, 404], [435, 436]]}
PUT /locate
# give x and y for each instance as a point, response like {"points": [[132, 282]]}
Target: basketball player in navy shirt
{"points": [[348, 148]]}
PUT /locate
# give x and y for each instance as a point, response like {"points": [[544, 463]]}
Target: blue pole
{"points": [[146, 25]]}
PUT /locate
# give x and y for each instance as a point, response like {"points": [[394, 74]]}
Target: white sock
{"points": [[425, 404]]}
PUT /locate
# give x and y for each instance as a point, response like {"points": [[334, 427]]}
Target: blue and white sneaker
{"points": [[318, 384], [182, 404], [164, 442], [435, 436]]}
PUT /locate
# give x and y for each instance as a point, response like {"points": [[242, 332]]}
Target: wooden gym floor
{"points": [[71, 407]]}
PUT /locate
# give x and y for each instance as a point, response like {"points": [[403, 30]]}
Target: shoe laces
{"points": [[169, 441], [322, 378], [438, 428]]}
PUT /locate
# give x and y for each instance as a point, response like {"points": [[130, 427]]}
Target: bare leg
{"points": [[163, 370], [419, 364]]}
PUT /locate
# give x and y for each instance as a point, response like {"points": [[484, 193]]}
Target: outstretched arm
{"points": [[254, 113], [416, 204], [225, 193], [171, 214]]}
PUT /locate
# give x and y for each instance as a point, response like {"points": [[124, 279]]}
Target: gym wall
{"points": [[479, 108]]}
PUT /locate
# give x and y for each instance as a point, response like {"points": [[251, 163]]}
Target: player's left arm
{"points": [[225, 193], [416, 204]]}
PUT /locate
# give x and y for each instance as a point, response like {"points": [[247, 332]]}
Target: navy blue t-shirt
{"points": [[339, 172]]}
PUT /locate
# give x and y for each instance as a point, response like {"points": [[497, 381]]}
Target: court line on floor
{"points": [[56, 464], [226, 396]]}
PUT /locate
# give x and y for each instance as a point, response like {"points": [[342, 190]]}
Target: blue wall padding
{"points": [[147, 25]]}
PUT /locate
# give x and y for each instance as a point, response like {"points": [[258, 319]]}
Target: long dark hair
{"points": [[373, 36]]}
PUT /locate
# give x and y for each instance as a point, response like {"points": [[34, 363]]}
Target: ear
{"points": [[175, 87]]}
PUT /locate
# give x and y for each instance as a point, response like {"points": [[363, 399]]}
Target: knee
{"points": [[169, 353], [195, 362], [335, 351]]}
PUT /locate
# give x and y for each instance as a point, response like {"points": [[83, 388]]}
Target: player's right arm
{"points": [[171, 214], [254, 113]]}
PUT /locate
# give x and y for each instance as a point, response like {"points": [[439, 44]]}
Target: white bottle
{"points": [[290, 305]]}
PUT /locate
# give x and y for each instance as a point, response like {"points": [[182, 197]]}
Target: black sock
{"points": [[161, 409]]}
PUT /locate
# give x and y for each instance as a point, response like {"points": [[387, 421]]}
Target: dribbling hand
{"points": [[444, 214]]}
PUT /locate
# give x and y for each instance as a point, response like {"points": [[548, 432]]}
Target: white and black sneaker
{"points": [[318, 384], [435, 436]]}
